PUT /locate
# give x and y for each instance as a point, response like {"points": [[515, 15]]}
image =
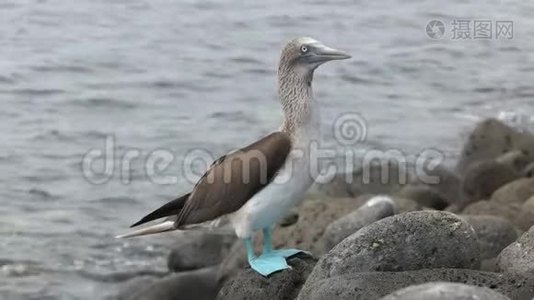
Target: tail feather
{"points": [[169, 209], [158, 228]]}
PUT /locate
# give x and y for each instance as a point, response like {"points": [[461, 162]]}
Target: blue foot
{"points": [[268, 246], [287, 253], [266, 264]]}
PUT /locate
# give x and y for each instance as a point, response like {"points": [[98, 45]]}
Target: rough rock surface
{"points": [[444, 291], [409, 241], [286, 284], [199, 284], [518, 257], [373, 285], [197, 250], [490, 139], [314, 217], [494, 233], [373, 210]]}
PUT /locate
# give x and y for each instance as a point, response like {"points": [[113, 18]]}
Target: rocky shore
{"points": [[470, 236]]}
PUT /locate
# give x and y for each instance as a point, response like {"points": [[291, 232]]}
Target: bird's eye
{"points": [[303, 49]]}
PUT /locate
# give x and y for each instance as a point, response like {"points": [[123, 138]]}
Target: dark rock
{"points": [[516, 160], [448, 186], [128, 289], [197, 250], [517, 191], [409, 241], [494, 233], [492, 138], [376, 177], [512, 212], [373, 210], [424, 195], [373, 285], [313, 217], [528, 171], [445, 291], [518, 257], [199, 284], [485, 177], [286, 284]]}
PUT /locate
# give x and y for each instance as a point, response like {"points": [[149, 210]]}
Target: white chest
{"points": [[285, 192]]}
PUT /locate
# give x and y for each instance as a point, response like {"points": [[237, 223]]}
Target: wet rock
{"points": [[485, 177], [492, 138], [373, 285], [373, 210], [517, 191], [444, 291], [286, 284], [409, 241], [199, 284], [197, 250], [494, 233], [313, 218], [518, 257], [424, 195]]}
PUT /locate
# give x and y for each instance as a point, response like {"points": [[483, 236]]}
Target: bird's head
{"points": [[306, 54]]}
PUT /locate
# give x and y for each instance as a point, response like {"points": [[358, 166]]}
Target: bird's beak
{"points": [[324, 53]]}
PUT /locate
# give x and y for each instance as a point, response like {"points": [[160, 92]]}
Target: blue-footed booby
{"points": [[254, 187]]}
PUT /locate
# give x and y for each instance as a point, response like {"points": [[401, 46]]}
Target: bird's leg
{"points": [[265, 264], [268, 245]]}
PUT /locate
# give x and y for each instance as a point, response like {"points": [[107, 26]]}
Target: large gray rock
{"points": [[485, 177], [373, 285], [445, 291], [409, 241], [313, 217], [197, 250], [373, 210], [248, 284], [490, 139], [516, 192], [494, 233], [199, 284], [518, 257]]}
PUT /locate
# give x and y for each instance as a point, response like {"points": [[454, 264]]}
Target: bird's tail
{"points": [[158, 228]]}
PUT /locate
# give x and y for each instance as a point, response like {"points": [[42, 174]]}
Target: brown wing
{"points": [[234, 178]]}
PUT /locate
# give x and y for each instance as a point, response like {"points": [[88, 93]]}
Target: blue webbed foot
{"points": [[266, 264], [287, 253]]}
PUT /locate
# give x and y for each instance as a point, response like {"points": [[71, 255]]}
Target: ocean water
{"points": [[140, 76]]}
